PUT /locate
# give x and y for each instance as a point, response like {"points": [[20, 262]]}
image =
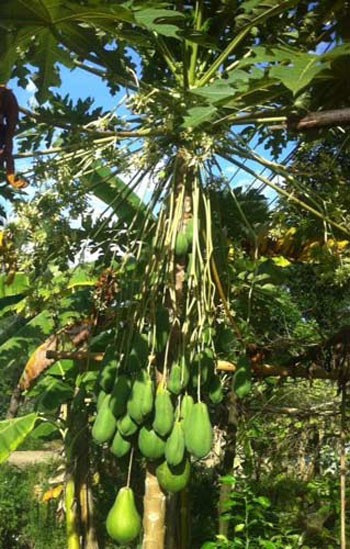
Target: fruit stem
{"points": [[130, 468]]}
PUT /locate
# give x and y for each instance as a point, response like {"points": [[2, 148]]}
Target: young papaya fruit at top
{"points": [[140, 390], [105, 424], [162, 328], [107, 375], [215, 390], [198, 431], [163, 412], [138, 355], [120, 395], [181, 244], [179, 376], [203, 367], [123, 520]]}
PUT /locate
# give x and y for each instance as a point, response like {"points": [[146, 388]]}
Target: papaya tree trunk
{"points": [[72, 523], [161, 515], [154, 512], [343, 441], [80, 523], [230, 421], [83, 482]]}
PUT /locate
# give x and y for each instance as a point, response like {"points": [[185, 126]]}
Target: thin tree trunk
{"points": [[172, 523], [72, 523], [16, 399], [343, 469], [228, 460], [154, 512]]}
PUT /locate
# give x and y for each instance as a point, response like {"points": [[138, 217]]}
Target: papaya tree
{"points": [[204, 82]]}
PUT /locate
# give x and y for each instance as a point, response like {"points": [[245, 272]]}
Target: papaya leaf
{"points": [[14, 351], [13, 432], [300, 71], [18, 285], [219, 91], [198, 115], [162, 21]]}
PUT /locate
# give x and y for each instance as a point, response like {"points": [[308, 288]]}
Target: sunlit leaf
{"points": [[13, 432]]}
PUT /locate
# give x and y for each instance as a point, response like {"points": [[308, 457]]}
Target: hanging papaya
{"points": [[181, 244], [174, 479], [120, 447], [215, 390], [175, 445], [138, 355], [151, 445], [100, 399], [179, 376], [162, 328], [123, 520], [107, 376], [163, 412], [147, 397], [120, 395], [105, 424], [198, 431], [186, 407], [135, 401], [127, 426]]}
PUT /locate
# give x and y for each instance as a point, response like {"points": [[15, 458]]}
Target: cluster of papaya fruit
{"points": [[166, 427], [163, 426]]}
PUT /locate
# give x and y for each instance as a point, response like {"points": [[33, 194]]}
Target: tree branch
{"points": [[336, 117]]}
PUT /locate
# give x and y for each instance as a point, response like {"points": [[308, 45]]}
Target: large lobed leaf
{"points": [[13, 432]]}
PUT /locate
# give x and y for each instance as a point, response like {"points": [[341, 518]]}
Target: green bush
{"points": [[26, 522]]}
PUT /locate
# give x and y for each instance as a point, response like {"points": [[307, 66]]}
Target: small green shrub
{"points": [[25, 522]]}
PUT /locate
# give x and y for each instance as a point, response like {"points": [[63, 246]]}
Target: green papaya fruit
{"points": [[120, 395], [151, 445], [135, 401], [163, 412], [215, 390], [181, 244], [107, 376], [179, 376], [147, 397], [174, 382], [138, 355], [127, 426], [175, 445], [123, 520], [174, 479], [100, 399], [198, 431], [120, 447], [203, 367], [162, 328], [186, 407], [105, 424]]}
